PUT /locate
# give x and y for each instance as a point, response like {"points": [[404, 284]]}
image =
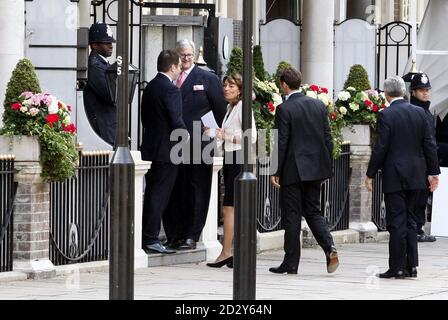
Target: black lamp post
{"points": [[245, 258], [122, 168], [112, 77]]}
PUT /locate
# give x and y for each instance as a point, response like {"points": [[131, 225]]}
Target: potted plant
{"points": [[359, 105], [37, 127]]}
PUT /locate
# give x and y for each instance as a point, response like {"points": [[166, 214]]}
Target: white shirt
{"points": [[188, 71], [104, 58], [396, 99], [233, 124], [289, 95], [171, 80]]}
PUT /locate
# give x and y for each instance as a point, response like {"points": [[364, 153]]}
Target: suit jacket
{"points": [[201, 93], [405, 149], [442, 141], [98, 104], [305, 143], [161, 113]]}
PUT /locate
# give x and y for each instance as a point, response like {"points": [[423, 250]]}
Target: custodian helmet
{"points": [[419, 81], [100, 32]]}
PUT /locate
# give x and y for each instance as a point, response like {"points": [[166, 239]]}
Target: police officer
{"points": [[99, 105], [420, 96]]}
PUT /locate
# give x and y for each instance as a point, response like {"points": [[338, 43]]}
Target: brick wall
{"points": [[398, 10], [237, 33]]}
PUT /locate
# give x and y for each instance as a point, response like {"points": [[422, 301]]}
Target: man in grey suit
{"points": [[304, 149], [406, 152]]}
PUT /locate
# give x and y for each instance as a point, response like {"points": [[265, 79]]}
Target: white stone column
{"points": [[12, 37], [209, 237], [141, 168], [317, 43], [84, 13]]}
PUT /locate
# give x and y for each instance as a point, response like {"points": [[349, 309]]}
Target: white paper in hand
{"points": [[209, 121]]}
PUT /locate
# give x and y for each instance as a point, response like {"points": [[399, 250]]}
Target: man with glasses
{"points": [[201, 93]]}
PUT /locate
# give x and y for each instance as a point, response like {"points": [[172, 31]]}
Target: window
{"points": [[282, 9]]}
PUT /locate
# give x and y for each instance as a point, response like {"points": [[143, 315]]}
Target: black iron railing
{"points": [[335, 197], [267, 201], [79, 213], [378, 206], [335, 193], [8, 189]]}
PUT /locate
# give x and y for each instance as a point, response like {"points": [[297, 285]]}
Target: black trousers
{"points": [[400, 220], [420, 209], [188, 207], [160, 181], [297, 200]]}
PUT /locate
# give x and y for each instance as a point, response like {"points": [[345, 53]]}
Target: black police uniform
{"points": [[421, 80], [98, 103]]}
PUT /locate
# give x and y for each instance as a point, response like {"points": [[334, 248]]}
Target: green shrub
{"points": [[236, 61], [260, 72], [358, 78], [24, 78], [280, 68]]}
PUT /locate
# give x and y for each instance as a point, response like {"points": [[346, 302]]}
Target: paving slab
{"points": [[354, 280]]}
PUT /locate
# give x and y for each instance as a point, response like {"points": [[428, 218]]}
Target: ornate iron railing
{"points": [[8, 189], [378, 206], [79, 212], [335, 195]]}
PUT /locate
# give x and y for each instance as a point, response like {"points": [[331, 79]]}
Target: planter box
{"points": [[25, 148], [360, 136]]}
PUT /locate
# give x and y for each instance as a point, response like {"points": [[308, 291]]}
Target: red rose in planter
{"points": [[51, 119]]}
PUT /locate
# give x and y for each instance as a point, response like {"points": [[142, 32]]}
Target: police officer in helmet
{"points": [[420, 96], [98, 103]]}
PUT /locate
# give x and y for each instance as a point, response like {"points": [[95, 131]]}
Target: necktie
{"points": [[181, 79]]}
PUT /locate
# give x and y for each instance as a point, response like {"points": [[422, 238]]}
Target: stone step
{"points": [[180, 257]]}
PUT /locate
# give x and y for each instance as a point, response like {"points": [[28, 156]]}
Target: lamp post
{"points": [[245, 258], [122, 168]]}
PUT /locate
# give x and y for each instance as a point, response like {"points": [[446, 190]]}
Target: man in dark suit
{"points": [[406, 153], [201, 92], [161, 115], [304, 150], [420, 97], [99, 107]]}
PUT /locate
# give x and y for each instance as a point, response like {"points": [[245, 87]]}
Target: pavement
{"points": [[354, 280]]}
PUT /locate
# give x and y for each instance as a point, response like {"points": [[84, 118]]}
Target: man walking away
{"points": [[305, 147]]}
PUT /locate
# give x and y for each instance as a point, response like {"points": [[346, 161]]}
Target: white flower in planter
{"points": [[354, 106], [312, 94], [344, 95], [53, 107], [343, 110]]}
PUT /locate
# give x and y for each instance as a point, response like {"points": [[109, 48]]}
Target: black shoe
{"points": [[173, 244], [410, 272], [157, 248], [188, 244], [219, 264], [283, 269], [425, 238], [389, 274], [332, 260]]}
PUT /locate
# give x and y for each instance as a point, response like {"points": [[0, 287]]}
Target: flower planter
{"points": [[360, 136], [25, 148]]}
